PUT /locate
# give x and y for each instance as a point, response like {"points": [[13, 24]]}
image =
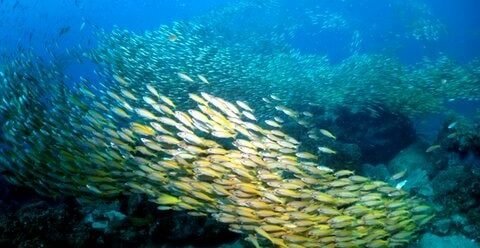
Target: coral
{"points": [[456, 189], [463, 138], [447, 181], [455, 179], [181, 229]]}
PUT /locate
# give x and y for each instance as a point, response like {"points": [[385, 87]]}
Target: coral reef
{"points": [[456, 190], [463, 138], [455, 179], [446, 174], [30, 220]]}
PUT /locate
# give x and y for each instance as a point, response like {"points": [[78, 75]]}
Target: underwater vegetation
{"points": [[219, 123]]}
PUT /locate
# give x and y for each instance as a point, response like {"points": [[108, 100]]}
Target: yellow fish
{"points": [[327, 134], [432, 148], [120, 80], [398, 175], [152, 90], [166, 199], [128, 94], [249, 115], [244, 106], [197, 99], [120, 112], [203, 79], [146, 114], [185, 77], [273, 123], [327, 150], [142, 129], [167, 101], [306, 155]]}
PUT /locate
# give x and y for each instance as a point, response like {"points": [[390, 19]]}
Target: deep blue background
{"points": [[36, 23]]}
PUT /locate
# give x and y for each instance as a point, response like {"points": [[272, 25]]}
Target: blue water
{"points": [[36, 24], [52, 29]]}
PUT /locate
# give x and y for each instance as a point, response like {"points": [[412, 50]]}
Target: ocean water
{"points": [[239, 123]]}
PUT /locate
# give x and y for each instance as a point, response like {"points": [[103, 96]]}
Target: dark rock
{"points": [[178, 229], [30, 220], [38, 224], [380, 134]]}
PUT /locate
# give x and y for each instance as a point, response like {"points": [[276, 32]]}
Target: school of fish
{"points": [[212, 158], [204, 116], [223, 58]]}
